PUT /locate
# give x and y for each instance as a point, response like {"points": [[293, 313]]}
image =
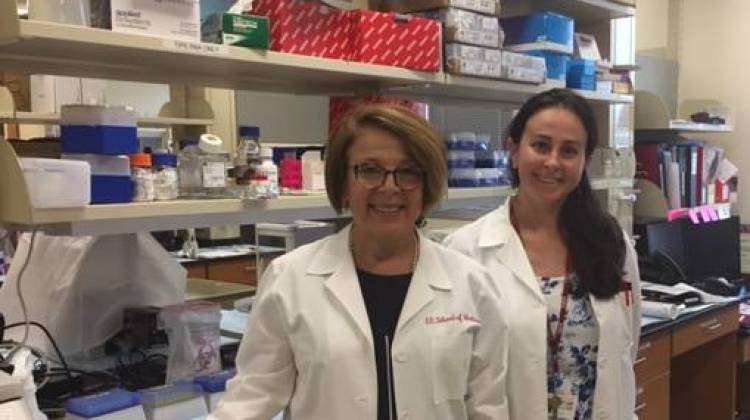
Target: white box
{"points": [[118, 165], [96, 115], [49, 93], [175, 19], [57, 183]]}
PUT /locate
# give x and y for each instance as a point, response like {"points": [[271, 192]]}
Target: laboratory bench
{"points": [[688, 368]]}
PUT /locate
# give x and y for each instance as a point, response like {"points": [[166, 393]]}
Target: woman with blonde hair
{"points": [[375, 321]]}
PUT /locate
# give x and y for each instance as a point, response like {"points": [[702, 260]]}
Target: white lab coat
{"points": [[309, 345], [493, 241]]}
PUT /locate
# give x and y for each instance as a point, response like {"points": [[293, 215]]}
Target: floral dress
{"points": [[579, 346]]}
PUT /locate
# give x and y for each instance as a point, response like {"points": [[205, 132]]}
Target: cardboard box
{"points": [[473, 61], [490, 7], [176, 19], [397, 40], [468, 27], [237, 30], [308, 28]]}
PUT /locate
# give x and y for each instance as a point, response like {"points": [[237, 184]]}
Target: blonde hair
{"points": [[422, 143]]}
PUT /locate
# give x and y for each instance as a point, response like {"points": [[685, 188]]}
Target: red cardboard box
{"points": [[308, 27], [339, 106], [397, 40]]}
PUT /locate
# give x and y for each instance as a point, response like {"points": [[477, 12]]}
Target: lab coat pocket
{"points": [[451, 357]]}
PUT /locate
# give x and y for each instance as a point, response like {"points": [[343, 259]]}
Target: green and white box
{"points": [[238, 30]]}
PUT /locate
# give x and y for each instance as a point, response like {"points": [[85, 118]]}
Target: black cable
{"points": [[49, 337]]}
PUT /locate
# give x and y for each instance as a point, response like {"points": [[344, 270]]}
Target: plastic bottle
{"points": [[214, 162], [143, 177], [246, 160], [189, 172], [313, 175], [290, 172], [269, 169], [165, 176]]}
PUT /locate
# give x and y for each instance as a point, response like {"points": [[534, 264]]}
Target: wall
{"points": [[713, 65]]}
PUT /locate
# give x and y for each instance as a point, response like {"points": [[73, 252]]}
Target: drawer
{"points": [[743, 355], [196, 270], [652, 399], [705, 329], [653, 357], [233, 271]]}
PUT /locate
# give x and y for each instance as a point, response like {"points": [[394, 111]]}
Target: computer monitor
{"points": [[700, 250]]}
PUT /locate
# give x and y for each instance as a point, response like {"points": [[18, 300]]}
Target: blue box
{"points": [[110, 189], [586, 82], [556, 62], [102, 403], [542, 27], [582, 67], [100, 139]]}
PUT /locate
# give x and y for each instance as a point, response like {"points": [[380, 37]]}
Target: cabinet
{"points": [[687, 370]]}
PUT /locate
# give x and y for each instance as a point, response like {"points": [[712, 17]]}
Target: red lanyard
{"points": [[554, 341]]}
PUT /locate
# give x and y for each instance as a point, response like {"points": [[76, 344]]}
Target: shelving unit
{"points": [[22, 117], [161, 215], [51, 48]]}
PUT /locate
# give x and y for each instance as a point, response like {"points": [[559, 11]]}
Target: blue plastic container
{"points": [[102, 403], [537, 28], [110, 189], [556, 62], [582, 82], [216, 382], [100, 140], [581, 67], [461, 159]]}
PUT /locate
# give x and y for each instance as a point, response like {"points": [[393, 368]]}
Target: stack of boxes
{"points": [[104, 137], [472, 162], [546, 35], [311, 28]]}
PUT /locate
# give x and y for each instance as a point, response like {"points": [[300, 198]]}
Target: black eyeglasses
{"points": [[373, 176]]}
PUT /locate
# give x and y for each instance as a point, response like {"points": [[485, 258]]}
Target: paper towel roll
{"points": [[661, 310]]}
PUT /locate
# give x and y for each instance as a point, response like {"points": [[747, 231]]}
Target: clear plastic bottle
{"points": [[246, 161], [189, 172], [165, 176], [202, 169], [143, 177]]}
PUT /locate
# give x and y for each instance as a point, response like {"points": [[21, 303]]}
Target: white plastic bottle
{"points": [[269, 169], [313, 175]]}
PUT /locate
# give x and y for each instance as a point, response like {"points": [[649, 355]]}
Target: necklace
{"points": [[414, 260]]}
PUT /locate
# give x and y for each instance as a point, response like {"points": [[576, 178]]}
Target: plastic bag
{"points": [[194, 338], [78, 286]]}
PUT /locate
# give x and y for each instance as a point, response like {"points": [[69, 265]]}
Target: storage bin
{"points": [[57, 183]]}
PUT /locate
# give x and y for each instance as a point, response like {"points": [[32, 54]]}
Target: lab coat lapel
{"points": [[428, 274], [500, 234], [335, 260]]}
